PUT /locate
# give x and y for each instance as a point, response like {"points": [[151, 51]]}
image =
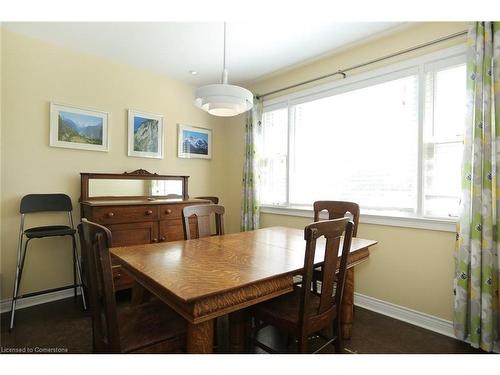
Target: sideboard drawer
{"points": [[125, 214], [171, 211]]}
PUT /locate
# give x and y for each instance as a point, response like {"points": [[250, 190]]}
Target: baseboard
{"points": [[417, 318], [5, 305]]}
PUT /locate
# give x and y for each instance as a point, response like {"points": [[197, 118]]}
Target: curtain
{"points": [[476, 317], [250, 196]]}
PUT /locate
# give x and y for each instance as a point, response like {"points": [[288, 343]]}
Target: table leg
{"points": [[347, 313], [239, 330], [200, 337], [140, 294]]}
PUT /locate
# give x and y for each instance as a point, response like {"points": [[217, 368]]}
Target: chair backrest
{"points": [[332, 230], [203, 213], [337, 210], [214, 200], [95, 240], [45, 202]]}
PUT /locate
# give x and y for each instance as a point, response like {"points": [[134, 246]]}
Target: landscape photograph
{"points": [[194, 142], [145, 134], [79, 128]]}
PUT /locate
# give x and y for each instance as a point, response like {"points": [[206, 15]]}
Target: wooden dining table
{"points": [[205, 278]]}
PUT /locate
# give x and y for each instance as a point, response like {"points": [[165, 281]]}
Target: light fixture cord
{"points": [[224, 70]]}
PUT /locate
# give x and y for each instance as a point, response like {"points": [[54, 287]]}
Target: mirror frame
{"points": [[139, 174]]}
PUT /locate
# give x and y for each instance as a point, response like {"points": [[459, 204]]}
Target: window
{"points": [[273, 160], [443, 135], [390, 141]]}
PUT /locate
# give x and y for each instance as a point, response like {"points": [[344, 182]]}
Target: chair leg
{"points": [[337, 333], [78, 273], [21, 256], [74, 266]]}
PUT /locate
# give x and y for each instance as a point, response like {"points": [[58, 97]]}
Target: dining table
{"points": [[205, 278]]}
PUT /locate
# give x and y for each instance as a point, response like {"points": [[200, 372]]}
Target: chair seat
{"points": [[152, 326], [49, 231], [283, 312]]}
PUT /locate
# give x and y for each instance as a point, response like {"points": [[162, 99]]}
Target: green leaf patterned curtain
{"points": [[250, 197], [477, 317]]}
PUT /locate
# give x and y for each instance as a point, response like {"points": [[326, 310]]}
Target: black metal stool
{"points": [[33, 203]]}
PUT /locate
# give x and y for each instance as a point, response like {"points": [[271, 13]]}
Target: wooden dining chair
{"points": [[335, 210], [302, 312], [203, 213], [146, 328]]}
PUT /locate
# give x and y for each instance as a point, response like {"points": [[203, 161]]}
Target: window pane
{"points": [[274, 157], [445, 120], [447, 97], [442, 171], [358, 146]]}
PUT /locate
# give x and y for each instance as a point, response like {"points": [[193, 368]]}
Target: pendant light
{"points": [[222, 99]]}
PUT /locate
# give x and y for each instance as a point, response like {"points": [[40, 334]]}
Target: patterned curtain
{"points": [[477, 317], [250, 197]]}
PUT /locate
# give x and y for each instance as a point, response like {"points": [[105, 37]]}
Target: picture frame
{"points": [[145, 135], [78, 128], [194, 142]]}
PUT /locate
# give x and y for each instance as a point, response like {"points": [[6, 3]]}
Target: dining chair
{"points": [[36, 203], [335, 210], [146, 328], [303, 312], [203, 213]]}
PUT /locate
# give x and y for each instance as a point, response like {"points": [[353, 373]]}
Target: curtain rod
{"points": [[342, 71]]}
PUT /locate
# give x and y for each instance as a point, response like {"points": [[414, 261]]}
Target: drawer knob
{"points": [[149, 212], [154, 240], [110, 214], [162, 239], [168, 211]]}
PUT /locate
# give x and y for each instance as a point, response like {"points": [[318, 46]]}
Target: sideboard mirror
{"points": [[139, 184]]}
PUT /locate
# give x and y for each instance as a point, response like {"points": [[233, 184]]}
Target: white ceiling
{"points": [[254, 49]]}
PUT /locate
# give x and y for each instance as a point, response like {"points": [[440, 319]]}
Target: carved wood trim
{"points": [[140, 172]]}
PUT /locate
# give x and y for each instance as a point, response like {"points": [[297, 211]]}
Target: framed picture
{"points": [[79, 128], [145, 135], [194, 142]]}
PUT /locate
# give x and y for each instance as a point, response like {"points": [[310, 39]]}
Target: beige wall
{"points": [[409, 267], [35, 73]]}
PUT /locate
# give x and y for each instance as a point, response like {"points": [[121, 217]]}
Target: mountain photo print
{"points": [[73, 127], [194, 142], [145, 135]]}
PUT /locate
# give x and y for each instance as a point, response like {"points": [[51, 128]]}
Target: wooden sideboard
{"points": [[136, 220]]}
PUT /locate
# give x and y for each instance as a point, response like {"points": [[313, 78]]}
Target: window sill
{"points": [[442, 225]]}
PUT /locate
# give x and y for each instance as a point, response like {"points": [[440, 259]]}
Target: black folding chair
{"points": [[33, 203]]}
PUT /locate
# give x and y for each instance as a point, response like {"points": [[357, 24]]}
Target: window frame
{"points": [[420, 66]]}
